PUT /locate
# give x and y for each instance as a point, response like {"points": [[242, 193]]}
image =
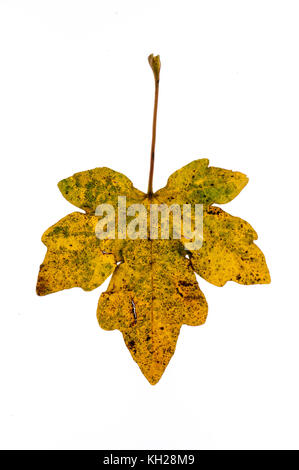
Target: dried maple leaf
{"points": [[153, 290]]}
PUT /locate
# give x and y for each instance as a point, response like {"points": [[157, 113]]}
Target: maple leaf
{"points": [[153, 290]]}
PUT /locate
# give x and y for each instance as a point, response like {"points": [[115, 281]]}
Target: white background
{"points": [[76, 93]]}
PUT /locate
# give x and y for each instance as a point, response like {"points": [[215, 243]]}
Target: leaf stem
{"points": [[155, 64]]}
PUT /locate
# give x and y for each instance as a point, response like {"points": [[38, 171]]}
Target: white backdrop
{"points": [[76, 93]]}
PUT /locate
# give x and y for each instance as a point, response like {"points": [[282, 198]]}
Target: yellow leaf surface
{"points": [[74, 257], [197, 183], [90, 188], [228, 252], [153, 290], [151, 294]]}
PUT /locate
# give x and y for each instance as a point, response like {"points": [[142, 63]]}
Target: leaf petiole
{"points": [[155, 64]]}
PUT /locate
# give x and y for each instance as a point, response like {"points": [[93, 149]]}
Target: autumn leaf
{"points": [[153, 290]]}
